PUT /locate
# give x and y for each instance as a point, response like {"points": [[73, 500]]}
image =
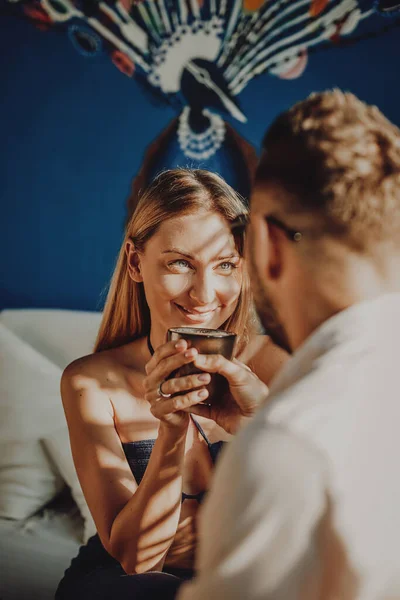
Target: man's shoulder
{"points": [[336, 393], [268, 474], [274, 453]]}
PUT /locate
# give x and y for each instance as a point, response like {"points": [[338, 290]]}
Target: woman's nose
{"points": [[202, 290]]}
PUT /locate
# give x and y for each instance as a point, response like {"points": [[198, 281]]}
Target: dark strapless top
{"points": [[138, 455]]}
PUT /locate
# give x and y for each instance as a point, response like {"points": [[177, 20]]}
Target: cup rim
{"points": [[195, 331]]}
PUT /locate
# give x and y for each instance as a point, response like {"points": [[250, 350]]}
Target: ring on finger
{"points": [[161, 393]]}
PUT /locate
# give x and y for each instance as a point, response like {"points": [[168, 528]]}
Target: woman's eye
{"points": [[180, 264], [228, 266]]}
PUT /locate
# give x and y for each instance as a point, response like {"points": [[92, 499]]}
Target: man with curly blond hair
{"points": [[305, 503]]}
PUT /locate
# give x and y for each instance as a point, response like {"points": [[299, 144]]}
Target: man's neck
{"points": [[361, 282]]}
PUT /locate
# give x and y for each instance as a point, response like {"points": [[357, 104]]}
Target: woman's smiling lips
{"points": [[194, 315]]}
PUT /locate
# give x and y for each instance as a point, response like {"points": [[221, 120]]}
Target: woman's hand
{"points": [[185, 392], [246, 392]]}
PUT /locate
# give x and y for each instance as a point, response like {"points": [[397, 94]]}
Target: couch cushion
{"points": [[28, 480], [60, 335], [58, 446], [35, 553], [30, 403], [29, 407], [36, 346]]}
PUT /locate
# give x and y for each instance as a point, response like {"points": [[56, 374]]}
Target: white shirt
{"points": [[332, 426]]}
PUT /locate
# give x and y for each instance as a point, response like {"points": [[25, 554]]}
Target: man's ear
{"points": [[268, 248], [133, 262], [276, 239]]}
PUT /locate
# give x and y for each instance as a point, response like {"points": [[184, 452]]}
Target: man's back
{"points": [[348, 408], [332, 431]]}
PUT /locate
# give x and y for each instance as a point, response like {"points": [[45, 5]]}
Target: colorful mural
{"points": [[199, 55]]}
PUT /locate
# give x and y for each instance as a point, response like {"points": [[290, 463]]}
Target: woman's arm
{"points": [[264, 357], [136, 524]]}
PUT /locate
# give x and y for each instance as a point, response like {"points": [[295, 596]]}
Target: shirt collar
{"points": [[359, 324]]}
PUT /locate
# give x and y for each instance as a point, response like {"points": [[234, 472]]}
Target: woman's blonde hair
{"points": [[174, 192]]}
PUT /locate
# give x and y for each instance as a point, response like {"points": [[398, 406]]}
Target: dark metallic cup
{"points": [[206, 341]]}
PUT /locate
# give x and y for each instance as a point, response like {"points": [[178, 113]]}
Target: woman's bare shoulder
{"points": [[106, 369], [91, 367]]}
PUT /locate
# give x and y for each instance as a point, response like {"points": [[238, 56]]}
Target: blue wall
{"points": [[73, 134]]}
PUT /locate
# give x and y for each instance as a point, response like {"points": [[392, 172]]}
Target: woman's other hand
{"points": [[246, 392], [185, 392]]}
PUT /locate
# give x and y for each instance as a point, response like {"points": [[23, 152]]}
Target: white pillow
{"points": [[29, 407], [30, 403], [59, 448], [60, 335], [53, 339], [28, 481]]}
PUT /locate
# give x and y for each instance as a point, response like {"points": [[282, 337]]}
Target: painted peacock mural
{"points": [[199, 55]]}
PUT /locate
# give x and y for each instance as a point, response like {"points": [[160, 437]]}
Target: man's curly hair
{"points": [[339, 159]]}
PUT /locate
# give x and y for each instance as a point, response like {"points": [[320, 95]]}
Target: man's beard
{"points": [[266, 311]]}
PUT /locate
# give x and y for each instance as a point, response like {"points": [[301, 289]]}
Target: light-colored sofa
{"points": [[43, 514]]}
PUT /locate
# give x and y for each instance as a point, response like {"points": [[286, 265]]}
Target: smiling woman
{"points": [[143, 460], [181, 227], [191, 272]]}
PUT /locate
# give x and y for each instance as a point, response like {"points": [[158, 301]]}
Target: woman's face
{"points": [[191, 272]]}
